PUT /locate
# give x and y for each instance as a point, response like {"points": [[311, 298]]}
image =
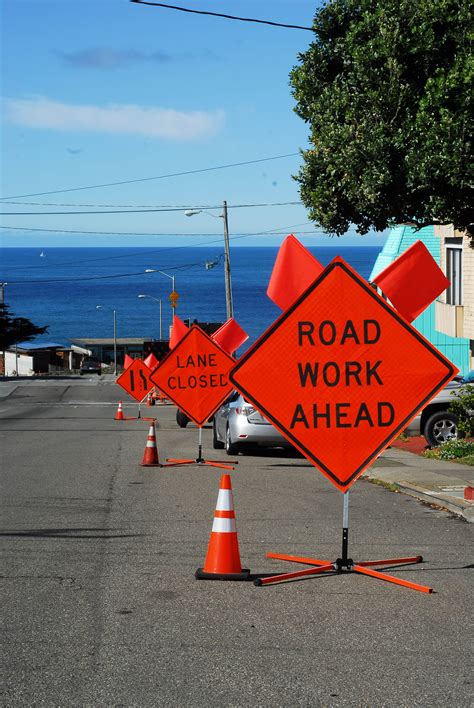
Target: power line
{"points": [[139, 211], [184, 266], [156, 206], [276, 232], [148, 179], [219, 14]]}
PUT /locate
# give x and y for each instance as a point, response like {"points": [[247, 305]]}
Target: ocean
{"points": [[62, 287]]}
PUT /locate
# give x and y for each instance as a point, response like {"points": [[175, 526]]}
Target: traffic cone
{"points": [[150, 455], [149, 400], [119, 414], [223, 557]]}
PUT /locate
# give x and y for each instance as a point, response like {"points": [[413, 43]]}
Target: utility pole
{"points": [[227, 277], [115, 344]]}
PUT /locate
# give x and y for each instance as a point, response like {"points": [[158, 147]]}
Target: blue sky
{"points": [[100, 91]]}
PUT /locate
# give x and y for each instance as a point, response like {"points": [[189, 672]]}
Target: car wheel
{"points": [[440, 427], [181, 419], [230, 447], [216, 443]]}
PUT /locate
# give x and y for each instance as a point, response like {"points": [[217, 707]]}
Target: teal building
{"points": [[456, 349]]}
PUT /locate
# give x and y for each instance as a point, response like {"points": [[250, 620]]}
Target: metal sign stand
{"points": [[139, 416], [200, 459], [343, 564]]}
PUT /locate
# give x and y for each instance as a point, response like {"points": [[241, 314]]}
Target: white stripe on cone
{"points": [[151, 443], [225, 501], [221, 525]]}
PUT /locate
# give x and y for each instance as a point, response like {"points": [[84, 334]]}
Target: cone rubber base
{"points": [[201, 574], [151, 464]]}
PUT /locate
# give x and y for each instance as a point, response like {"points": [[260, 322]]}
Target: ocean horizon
{"points": [[62, 287]]}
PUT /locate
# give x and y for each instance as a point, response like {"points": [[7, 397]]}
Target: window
{"points": [[454, 273]]}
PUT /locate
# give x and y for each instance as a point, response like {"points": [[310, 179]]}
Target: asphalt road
{"points": [[100, 605]]}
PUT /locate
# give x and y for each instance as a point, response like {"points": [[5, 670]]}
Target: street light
{"points": [[227, 277], [174, 295], [161, 312], [103, 307]]}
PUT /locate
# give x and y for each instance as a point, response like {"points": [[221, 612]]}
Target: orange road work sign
{"points": [[195, 375], [136, 380], [341, 373]]}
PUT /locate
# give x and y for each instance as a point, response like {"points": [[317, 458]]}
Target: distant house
{"points": [[451, 342], [455, 307], [136, 347], [102, 348], [30, 358]]}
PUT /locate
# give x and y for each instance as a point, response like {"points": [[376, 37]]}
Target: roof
{"points": [[86, 342], [30, 346]]}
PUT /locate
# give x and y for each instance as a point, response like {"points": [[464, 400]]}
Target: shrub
{"points": [[462, 406], [454, 449]]}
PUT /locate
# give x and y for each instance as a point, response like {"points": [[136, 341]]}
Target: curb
{"points": [[461, 508]]}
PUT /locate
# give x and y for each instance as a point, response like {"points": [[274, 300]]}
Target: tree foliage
{"points": [[16, 329], [386, 89]]}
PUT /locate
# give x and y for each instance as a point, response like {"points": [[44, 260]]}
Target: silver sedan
{"points": [[237, 425]]}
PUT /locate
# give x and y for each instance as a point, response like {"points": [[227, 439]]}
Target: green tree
{"points": [[16, 329], [385, 88]]}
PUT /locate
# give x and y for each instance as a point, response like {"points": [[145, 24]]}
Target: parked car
{"points": [[435, 422], [238, 424], [182, 419], [90, 366]]}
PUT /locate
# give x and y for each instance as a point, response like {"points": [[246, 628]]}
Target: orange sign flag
{"points": [[412, 281], [127, 361], [352, 373], [230, 336], [178, 330], [151, 361], [294, 270]]}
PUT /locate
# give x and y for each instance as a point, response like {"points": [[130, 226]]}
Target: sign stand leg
{"points": [[343, 564], [200, 459]]}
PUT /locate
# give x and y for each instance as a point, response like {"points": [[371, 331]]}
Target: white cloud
{"points": [[152, 122]]}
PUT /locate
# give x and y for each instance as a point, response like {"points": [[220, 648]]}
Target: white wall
{"points": [[25, 364]]}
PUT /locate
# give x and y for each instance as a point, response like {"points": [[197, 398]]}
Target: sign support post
{"points": [[343, 564], [170, 462], [345, 560]]}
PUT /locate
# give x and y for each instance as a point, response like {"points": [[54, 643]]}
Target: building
{"points": [[103, 349], [33, 358], [454, 345], [135, 347], [455, 307]]}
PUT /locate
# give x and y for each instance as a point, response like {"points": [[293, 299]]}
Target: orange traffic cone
{"points": [[149, 400], [150, 455], [119, 414], [223, 557]]}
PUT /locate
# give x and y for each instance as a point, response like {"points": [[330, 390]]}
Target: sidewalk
{"points": [[434, 481]]}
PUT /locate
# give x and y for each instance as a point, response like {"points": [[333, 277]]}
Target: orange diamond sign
{"points": [[195, 375], [136, 380], [340, 374]]}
